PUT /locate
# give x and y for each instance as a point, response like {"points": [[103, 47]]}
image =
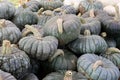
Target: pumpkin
{"points": [[37, 46], [62, 60], [97, 67], [65, 75], [6, 76], [7, 10], [113, 54], [9, 31], [50, 4], [86, 5], [88, 43], [30, 76], [13, 60], [65, 28], [91, 24], [25, 17]]}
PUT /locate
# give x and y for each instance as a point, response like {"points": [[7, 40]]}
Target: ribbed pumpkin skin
{"points": [[30, 76], [10, 32], [71, 28], [39, 49], [67, 61], [88, 44], [91, 24], [50, 4], [106, 72], [25, 17], [17, 63], [6, 76], [60, 76], [7, 10]]}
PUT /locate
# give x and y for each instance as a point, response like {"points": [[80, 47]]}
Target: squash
{"points": [[7, 10], [9, 31], [13, 60], [88, 43], [65, 28], [97, 67], [30, 76], [37, 46]]}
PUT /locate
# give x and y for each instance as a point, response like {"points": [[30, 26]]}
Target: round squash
{"points": [[13, 60], [97, 67], [37, 46], [65, 28], [88, 43], [9, 31]]}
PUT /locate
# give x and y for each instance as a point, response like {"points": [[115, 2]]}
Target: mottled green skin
{"points": [[6, 76], [106, 72], [40, 49], [17, 62], [50, 5], [25, 17], [10, 32], [71, 28], [88, 44], [60, 76], [67, 61], [7, 10]]}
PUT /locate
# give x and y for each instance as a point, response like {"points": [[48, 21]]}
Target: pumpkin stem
{"points": [[112, 50], [6, 47], [2, 23], [82, 21], [79, 14], [40, 11], [97, 64], [87, 33], [57, 53], [91, 1], [24, 5], [60, 25], [58, 10], [117, 16], [34, 31], [68, 75], [92, 14], [104, 34], [1, 77], [48, 12]]}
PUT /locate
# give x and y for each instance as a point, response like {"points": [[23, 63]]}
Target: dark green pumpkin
{"points": [[13, 60], [62, 60], [88, 43], [7, 10], [37, 46], [97, 67], [9, 31], [65, 75], [30, 76], [25, 17], [65, 28]]}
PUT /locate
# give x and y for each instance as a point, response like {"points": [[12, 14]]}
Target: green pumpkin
{"points": [[37, 46], [30, 76], [65, 75], [6, 76], [25, 17], [88, 43], [9, 31], [97, 67], [7, 10], [13, 60], [62, 60], [65, 28]]}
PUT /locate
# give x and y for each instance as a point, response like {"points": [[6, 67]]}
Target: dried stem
{"points": [[60, 25]]}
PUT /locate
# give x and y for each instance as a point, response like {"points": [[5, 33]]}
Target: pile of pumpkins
{"points": [[60, 40]]}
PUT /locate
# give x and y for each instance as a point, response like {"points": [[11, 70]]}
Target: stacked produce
{"points": [[60, 40]]}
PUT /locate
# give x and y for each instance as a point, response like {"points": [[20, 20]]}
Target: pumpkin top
{"points": [[87, 33], [112, 50]]}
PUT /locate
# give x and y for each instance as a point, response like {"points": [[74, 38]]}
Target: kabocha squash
{"points": [[50, 4], [9, 31], [25, 17], [91, 24], [6, 76], [7, 10], [97, 67], [88, 43], [65, 28], [30, 76], [113, 54], [62, 60], [37, 46], [65, 75], [13, 60]]}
